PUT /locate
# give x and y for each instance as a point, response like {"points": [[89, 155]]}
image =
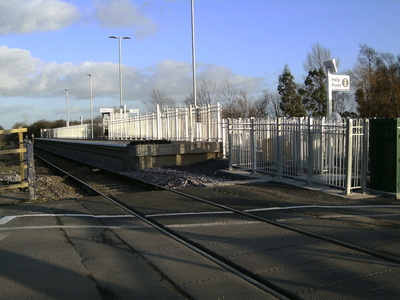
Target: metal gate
{"points": [[313, 150]]}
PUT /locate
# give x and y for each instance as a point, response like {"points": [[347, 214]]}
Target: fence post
{"points": [[158, 117], [279, 147], [21, 154], [31, 169], [230, 139], [310, 152], [177, 126], [253, 147], [219, 123], [190, 125], [209, 122], [349, 154], [365, 155]]}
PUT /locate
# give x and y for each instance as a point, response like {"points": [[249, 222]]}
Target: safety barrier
{"points": [[331, 152], [313, 150], [81, 131], [180, 124]]}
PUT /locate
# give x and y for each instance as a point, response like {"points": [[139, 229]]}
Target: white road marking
{"points": [[5, 219], [70, 227], [322, 207]]}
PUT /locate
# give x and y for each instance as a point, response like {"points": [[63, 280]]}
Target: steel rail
{"points": [[268, 287], [284, 226], [298, 230]]}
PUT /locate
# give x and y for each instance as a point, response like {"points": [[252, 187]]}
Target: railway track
{"points": [[282, 260]]}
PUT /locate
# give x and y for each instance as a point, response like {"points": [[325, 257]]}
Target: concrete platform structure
{"points": [[132, 155]]}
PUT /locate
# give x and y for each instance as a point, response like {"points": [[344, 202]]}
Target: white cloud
{"points": [[22, 75], [35, 88], [18, 17], [123, 13], [16, 68]]}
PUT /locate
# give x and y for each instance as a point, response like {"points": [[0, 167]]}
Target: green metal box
{"points": [[384, 153]]}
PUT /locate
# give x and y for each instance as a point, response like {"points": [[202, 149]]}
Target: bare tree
{"points": [[207, 93], [228, 96], [315, 60], [267, 105], [376, 78], [158, 97], [245, 108], [343, 102]]}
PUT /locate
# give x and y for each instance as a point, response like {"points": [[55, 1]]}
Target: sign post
{"points": [[340, 82], [334, 83]]}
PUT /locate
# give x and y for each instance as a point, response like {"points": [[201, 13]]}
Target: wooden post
{"points": [[31, 170], [21, 154]]}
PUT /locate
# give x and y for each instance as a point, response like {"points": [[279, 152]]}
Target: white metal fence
{"points": [[314, 150], [180, 124], [81, 131]]}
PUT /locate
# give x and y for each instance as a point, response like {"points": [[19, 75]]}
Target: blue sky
{"points": [[49, 45]]}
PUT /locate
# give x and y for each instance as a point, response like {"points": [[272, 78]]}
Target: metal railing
{"points": [[330, 152], [81, 131], [313, 150], [180, 124]]}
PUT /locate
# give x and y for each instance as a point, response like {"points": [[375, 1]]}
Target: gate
{"points": [[312, 150]]}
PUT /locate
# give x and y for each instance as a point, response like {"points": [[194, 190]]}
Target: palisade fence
{"points": [[314, 150], [180, 124], [331, 152], [81, 131]]}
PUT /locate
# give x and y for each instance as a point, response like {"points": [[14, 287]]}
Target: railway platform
{"points": [[132, 155]]}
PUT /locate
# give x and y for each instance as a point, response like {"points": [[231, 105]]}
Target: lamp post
{"points": [[197, 113], [194, 58], [67, 101], [91, 102], [119, 38]]}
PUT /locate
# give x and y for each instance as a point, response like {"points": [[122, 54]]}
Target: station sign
{"points": [[339, 82]]}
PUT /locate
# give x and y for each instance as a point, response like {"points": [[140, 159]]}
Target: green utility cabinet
{"points": [[385, 155]]}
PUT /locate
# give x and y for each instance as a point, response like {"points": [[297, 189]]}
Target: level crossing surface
{"points": [[88, 248], [71, 250]]}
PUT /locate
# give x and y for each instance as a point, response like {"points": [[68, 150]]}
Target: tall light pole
{"points": [[194, 58], [67, 101], [119, 38], [91, 102]]}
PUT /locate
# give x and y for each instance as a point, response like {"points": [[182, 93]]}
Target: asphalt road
{"points": [[89, 249]]}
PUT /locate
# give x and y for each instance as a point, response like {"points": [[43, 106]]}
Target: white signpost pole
{"points": [[334, 83], [329, 95], [330, 66]]}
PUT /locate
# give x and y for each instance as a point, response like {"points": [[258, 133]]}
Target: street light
{"points": [[67, 100], [91, 101], [119, 38], [194, 58]]}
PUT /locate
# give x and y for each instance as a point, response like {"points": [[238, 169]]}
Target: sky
{"points": [[47, 46]]}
